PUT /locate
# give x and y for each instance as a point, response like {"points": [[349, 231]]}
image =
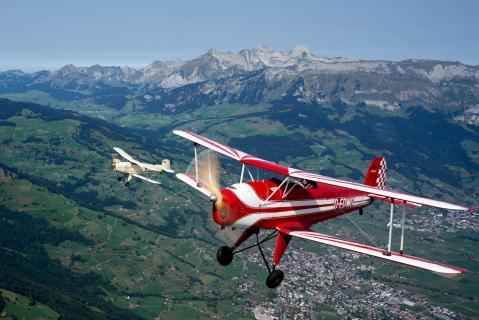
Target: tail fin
{"points": [[166, 166], [376, 174]]}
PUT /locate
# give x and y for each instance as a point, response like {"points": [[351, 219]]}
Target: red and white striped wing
{"points": [[274, 167], [372, 251], [376, 192], [233, 153], [210, 144]]}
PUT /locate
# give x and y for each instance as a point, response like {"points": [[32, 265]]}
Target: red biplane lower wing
{"points": [[372, 251], [192, 183], [382, 194]]}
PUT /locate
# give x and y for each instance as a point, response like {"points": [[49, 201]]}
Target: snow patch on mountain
{"points": [[447, 72], [470, 115], [382, 104]]}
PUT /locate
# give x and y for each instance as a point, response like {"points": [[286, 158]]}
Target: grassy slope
{"points": [[20, 307]]}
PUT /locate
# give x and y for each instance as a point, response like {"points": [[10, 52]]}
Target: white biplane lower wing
{"points": [[382, 194], [145, 178], [372, 251]]}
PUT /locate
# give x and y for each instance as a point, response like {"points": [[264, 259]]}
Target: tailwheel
{"points": [[224, 255], [127, 184], [274, 279]]}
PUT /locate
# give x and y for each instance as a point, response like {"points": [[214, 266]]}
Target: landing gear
{"points": [[361, 212], [127, 178], [119, 179], [274, 279], [224, 255]]}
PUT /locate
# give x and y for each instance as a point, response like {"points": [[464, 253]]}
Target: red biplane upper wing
{"points": [[387, 195], [372, 251], [377, 193], [233, 153]]}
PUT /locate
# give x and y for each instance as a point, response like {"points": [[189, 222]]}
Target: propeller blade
{"points": [[209, 176]]}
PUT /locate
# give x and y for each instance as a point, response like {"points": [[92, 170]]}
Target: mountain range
{"points": [[256, 75]]}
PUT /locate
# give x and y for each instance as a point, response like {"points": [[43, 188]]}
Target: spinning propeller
{"points": [[209, 171]]}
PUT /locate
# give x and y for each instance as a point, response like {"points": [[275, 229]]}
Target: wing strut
{"points": [[242, 173], [401, 250], [391, 218], [391, 215], [275, 190], [243, 167], [195, 146]]}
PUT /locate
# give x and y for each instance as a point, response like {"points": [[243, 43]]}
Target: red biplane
{"points": [[289, 207]]}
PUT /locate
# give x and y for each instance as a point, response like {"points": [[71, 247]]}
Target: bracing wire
{"points": [[371, 240]]}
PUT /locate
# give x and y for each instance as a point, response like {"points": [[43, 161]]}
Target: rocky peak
{"points": [[299, 51], [68, 68]]}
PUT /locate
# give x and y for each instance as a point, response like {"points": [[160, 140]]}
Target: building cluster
{"points": [[436, 221], [341, 283]]}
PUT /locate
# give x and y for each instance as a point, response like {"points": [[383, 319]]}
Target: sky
{"points": [[51, 33]]}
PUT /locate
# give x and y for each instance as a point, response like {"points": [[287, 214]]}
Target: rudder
{"points": [[376, 174]]}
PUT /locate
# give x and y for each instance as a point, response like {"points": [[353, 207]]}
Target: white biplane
{"points": [[134, 168]]}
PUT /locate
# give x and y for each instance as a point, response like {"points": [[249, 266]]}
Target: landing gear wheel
{"points": [[119, 178], [224, 255], [127, 184], [274, 279]]}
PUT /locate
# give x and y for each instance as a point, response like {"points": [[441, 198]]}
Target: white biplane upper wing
{"points": [[372, 251], [125, 155], [151, 167], [396, 197]]}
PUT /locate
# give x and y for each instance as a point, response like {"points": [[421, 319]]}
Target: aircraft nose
{"points": [[220, 207]]}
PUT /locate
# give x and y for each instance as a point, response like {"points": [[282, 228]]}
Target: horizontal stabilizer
{"points": [[372, 251], [192, 183]]}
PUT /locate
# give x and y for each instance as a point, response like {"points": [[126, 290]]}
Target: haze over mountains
{"points": [[254, 75]]}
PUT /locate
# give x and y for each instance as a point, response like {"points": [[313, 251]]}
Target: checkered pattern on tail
{"points": [[376, 176], [381, 179]]}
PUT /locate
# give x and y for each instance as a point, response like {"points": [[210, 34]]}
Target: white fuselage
{"points": [[127, 167]]}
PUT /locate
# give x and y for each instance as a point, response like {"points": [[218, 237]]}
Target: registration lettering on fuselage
{"points": [[343, 203]]}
